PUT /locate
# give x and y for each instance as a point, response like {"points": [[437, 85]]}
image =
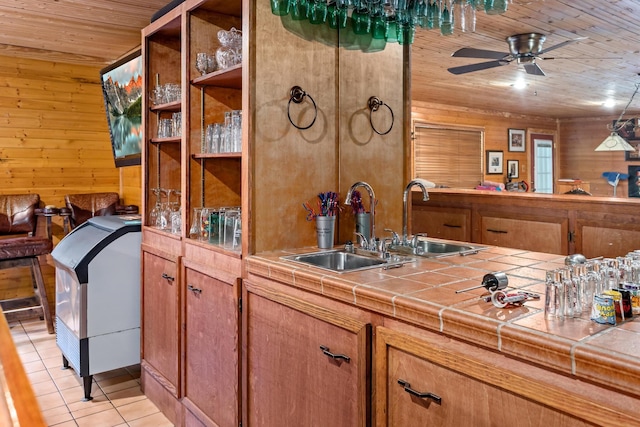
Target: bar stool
{"points": [[18, 221]]}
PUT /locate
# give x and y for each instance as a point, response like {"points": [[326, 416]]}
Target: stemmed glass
{"points": [[154, 215], [165, 216]]}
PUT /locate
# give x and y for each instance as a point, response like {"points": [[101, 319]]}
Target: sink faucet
{"points": [[372, 205], [405, 199]]}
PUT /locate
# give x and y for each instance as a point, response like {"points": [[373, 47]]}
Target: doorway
{"points": [[542, 163]]}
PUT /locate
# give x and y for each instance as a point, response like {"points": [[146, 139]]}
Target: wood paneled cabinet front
{"points": [[531, 233], [211, 349], [161, 320], [306, 365], [442, 222], [441, 382], [609, 237]]}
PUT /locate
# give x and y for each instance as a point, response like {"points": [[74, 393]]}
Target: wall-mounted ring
{"points": [[374, 104], [297, 96]]}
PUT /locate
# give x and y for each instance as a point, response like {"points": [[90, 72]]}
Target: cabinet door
{"points": [[161, 319], [441, 382], [443, 223], [607, 238], [306, 366], [211, 368], [532, 234]]}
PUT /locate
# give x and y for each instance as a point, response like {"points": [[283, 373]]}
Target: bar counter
{"points": [[422, 294]]}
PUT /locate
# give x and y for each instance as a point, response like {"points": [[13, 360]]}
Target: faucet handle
{"points": [[395, 240], [415, 238], [363, 240]]}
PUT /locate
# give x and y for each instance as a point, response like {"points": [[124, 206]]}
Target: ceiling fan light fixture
{"points": [[614, 142]]}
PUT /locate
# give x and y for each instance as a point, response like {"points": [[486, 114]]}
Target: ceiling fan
{"points": [[523, 48]]}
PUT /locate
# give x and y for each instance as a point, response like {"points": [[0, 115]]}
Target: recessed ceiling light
{"points": [[609, 103]]}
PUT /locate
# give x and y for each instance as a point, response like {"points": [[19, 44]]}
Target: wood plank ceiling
{"points": [[97, 32]]}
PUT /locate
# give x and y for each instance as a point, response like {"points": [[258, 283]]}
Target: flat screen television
{"points": [[122, 92]]}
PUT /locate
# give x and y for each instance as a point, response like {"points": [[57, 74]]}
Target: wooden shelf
{"points": [[169, 106], [217, 156], [173, 139], [230, 77]]}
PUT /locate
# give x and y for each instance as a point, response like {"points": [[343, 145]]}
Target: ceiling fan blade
{"points": [[469, 52], [534, 69], [476, 67], [559, 45], [546, 58]]}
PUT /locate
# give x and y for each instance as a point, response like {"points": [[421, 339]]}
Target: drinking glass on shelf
{"points": [[236, 130], [194, 230], [176, 124], [176, 217], [165, 128], [205, 63], [154, 215]]}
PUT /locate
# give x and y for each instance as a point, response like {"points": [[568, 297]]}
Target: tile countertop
{"points": [[423, 293]]}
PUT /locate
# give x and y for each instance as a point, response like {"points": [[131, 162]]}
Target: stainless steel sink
{"points": [[341, 261], [436, 248]]}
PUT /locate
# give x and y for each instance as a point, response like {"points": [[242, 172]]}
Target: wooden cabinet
{"points": [[443, 223], [211, 353], [425, 379], [305, 364], [532, 233], [161, 319], [608, 235], [190, 331]]}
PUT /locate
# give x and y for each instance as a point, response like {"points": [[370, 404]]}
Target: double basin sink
{"points": [[342, 261]]}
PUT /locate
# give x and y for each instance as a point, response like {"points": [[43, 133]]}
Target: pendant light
{"points": [[615, 142]]}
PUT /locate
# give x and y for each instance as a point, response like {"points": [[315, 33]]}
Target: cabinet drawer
{"points": [[443, 223], [528, 234], [443, 382]]}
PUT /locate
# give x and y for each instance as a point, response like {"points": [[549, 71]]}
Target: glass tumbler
{"points": [[236, 130], [196, 219]]}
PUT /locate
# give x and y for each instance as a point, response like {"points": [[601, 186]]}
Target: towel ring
{"points": [[374, 104], [297, 96]]}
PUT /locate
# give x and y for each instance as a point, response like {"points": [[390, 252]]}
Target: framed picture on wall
{"points": [[517, 140], [634, 181], [628, 132], [512, 169], [494, 162]]}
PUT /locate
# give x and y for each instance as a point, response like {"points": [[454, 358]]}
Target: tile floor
{"points": [[117, 398]]}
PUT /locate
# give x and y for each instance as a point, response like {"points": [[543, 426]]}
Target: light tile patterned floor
{"points": [[117, 398]]}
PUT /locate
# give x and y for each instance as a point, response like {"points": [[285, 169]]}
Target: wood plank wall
{"points": [[496, 125], [54, 138], [576, 158], [575, 138]]}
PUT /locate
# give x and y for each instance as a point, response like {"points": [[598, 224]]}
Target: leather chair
{"points": [[21, 247], [81, 207]]}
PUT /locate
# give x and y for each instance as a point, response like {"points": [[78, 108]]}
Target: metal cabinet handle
{"points": [[421, 395], [326, 351], [497, 231], [167, 277], [452, 225], [194, 289]]}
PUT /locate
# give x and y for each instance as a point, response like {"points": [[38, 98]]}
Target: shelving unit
{"points": [[185, 280]]}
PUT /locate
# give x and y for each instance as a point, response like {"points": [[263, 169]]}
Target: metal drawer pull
{"points": [[194, 289], [167, 277], [408, 389], [326, 351], [497, 231], [452, 225]]}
